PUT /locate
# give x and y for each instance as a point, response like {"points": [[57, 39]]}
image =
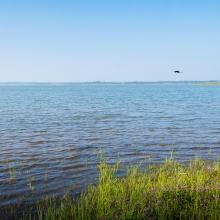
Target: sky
{"points": [[109, 40]]}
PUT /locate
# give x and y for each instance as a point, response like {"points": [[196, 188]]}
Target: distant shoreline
{"points": [[116, 82]]}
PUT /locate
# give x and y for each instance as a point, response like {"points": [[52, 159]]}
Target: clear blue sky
{"points": [[109, 40]]}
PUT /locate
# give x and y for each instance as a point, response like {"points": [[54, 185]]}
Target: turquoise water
{"points": [[50, 134]]}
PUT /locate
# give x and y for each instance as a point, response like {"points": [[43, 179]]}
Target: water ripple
{"points": [[51, 135]]}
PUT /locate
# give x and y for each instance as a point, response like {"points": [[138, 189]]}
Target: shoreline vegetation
{"points": [[168, 191], [211, 83]]}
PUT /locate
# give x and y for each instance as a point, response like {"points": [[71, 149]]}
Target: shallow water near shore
{"points": [[50, 134]]}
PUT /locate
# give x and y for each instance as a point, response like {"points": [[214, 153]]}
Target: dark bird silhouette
{"points": [[177, 71]]}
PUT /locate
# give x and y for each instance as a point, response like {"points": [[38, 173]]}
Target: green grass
{"points": [[168, 191], [211, 83]]}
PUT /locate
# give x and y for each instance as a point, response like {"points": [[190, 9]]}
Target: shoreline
{"points": [[168, 191]]}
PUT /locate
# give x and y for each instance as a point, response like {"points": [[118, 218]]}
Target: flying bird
{"points": [[177, 71]]}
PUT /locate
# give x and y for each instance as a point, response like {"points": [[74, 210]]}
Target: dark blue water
{"points": [[50, 134]]}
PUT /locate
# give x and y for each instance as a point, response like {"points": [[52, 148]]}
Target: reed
{"points": [[168, 191]]}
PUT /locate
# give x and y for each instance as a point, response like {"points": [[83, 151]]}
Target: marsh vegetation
{"points": [[171, 190]]}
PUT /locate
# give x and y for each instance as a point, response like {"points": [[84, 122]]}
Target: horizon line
{"points": [[99, 81]]}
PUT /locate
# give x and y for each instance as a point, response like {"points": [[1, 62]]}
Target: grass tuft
{"points": [[168, 191]]}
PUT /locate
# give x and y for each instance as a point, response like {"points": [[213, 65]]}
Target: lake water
{"points": [[50, 134]]}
